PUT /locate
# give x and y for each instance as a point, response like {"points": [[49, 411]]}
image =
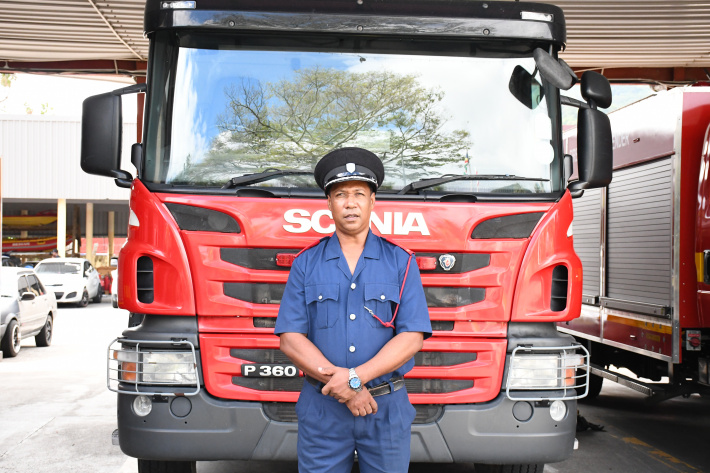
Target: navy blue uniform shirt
{"points": [[324, 301]]}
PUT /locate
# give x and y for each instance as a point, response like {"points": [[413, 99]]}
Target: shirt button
{"points": [[382, 297], [352, 286], [320, 297], [352, 316], [352, 348]]}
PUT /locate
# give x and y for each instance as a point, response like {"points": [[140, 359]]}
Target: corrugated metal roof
{"points": [[601, 33], [60, 30]]}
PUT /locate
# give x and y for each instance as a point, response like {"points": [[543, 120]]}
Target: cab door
{"points": [[702, 235], [29, 305], [91, 278]]}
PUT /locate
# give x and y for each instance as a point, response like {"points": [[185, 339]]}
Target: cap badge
{"points": [[447, 262], [350, 167]]}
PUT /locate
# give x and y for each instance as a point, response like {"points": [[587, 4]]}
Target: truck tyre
{"points": [[84, 299], [99, 294], [525, 468], [44, 338], [12, 341], [159, 466], [595, 386]]}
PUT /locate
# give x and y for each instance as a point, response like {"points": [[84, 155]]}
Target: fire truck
{"points": [[645, 249], [462, 102]]}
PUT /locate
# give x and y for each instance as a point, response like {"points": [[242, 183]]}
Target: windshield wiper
{"points": [[266, 175], [424, 183]]}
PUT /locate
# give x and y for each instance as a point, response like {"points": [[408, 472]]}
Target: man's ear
{"points": [[330, 207]]}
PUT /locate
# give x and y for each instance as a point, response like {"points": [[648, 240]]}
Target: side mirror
{"points": [[525, 88], [27, 296], [594, 150], [556, 71], [101, 134], [595, 157], [595, 89]]}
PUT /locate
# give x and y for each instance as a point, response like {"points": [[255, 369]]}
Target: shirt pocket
{"points": [[322, 300], [382, 299]]}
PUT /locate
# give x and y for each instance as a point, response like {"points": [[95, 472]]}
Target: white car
{"points": [[73, 280], [27, 309]]}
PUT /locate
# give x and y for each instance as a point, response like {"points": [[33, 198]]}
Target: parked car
{"points": [[27, 309], [73, 280], [114, 283]]}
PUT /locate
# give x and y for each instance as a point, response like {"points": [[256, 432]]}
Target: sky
{"points": [[59, 96]]}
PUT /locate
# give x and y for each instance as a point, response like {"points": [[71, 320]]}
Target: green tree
{"points": [[294, 122]]}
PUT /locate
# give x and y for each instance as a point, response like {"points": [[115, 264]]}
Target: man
{"points": [[352, 317]]}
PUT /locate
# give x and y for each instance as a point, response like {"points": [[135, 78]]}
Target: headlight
{"points": [[534, 371], [168, 368]]}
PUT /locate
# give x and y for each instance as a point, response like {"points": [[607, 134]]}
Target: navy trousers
{"points": [[329, 435]]}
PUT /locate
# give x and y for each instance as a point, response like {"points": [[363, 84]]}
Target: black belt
{"points": [[394, 384]]}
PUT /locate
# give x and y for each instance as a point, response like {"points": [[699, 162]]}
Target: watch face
{"points": [[354, 383]]}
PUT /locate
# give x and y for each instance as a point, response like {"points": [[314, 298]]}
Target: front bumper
{"points": [[215, 429], [67, 294]]}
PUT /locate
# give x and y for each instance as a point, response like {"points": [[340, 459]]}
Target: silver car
{"points": [[27, 309]]}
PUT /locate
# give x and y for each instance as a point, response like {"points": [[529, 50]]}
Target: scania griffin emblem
{"points": [[447, 262]]}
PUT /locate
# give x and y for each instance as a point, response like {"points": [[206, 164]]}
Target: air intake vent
{"points": [[144, 278], [509, 226], [558, 300], [198, 219]]}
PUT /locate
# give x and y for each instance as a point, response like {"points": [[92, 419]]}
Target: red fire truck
{"points": [[461, 100], [645, 247]]}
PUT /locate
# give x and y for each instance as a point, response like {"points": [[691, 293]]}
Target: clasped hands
{"points": [[360, 403]]}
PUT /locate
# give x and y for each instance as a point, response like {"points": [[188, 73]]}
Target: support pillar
{"points": [[23, 233], [62, 227], [76, 232], [90, 232], [111, 220]]}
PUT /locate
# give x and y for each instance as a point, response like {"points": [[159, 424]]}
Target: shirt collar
{"points": [[372, 247]]}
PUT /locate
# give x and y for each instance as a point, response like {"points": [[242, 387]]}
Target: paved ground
{"points": [[56, 415]]}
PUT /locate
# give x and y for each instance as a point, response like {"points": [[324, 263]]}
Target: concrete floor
{"points": [[57, 415]]}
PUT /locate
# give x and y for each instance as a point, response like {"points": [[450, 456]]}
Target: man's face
{"points": [[351, 203]]}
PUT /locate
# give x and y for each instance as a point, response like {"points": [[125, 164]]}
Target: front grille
{"points": [[286, 412], [436, 386], [269, 384], [257, 293], [255, 258], [443, 358], [422, 358], [259, 356], [265, 293], [453, 296], [265, 258], [436, 325]]}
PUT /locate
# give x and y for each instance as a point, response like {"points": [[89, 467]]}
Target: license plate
{"points": [[275, 370]]}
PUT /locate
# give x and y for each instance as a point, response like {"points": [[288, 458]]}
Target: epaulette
{"points": [[315, 243], [409, 252]]}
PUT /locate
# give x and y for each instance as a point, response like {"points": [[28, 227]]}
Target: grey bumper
{"points": [[232, 430]]}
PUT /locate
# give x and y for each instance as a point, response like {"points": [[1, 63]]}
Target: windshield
{"points": [[236, 111], [58, 268]]}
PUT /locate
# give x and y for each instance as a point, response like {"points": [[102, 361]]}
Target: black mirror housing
{"points": [[101, 134], [595, 89], [594, 150]]}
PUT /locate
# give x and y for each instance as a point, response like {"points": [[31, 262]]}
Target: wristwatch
{"points": [[354, 381]]}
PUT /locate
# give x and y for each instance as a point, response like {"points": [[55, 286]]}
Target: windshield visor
{"points": [[242, 111]]}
